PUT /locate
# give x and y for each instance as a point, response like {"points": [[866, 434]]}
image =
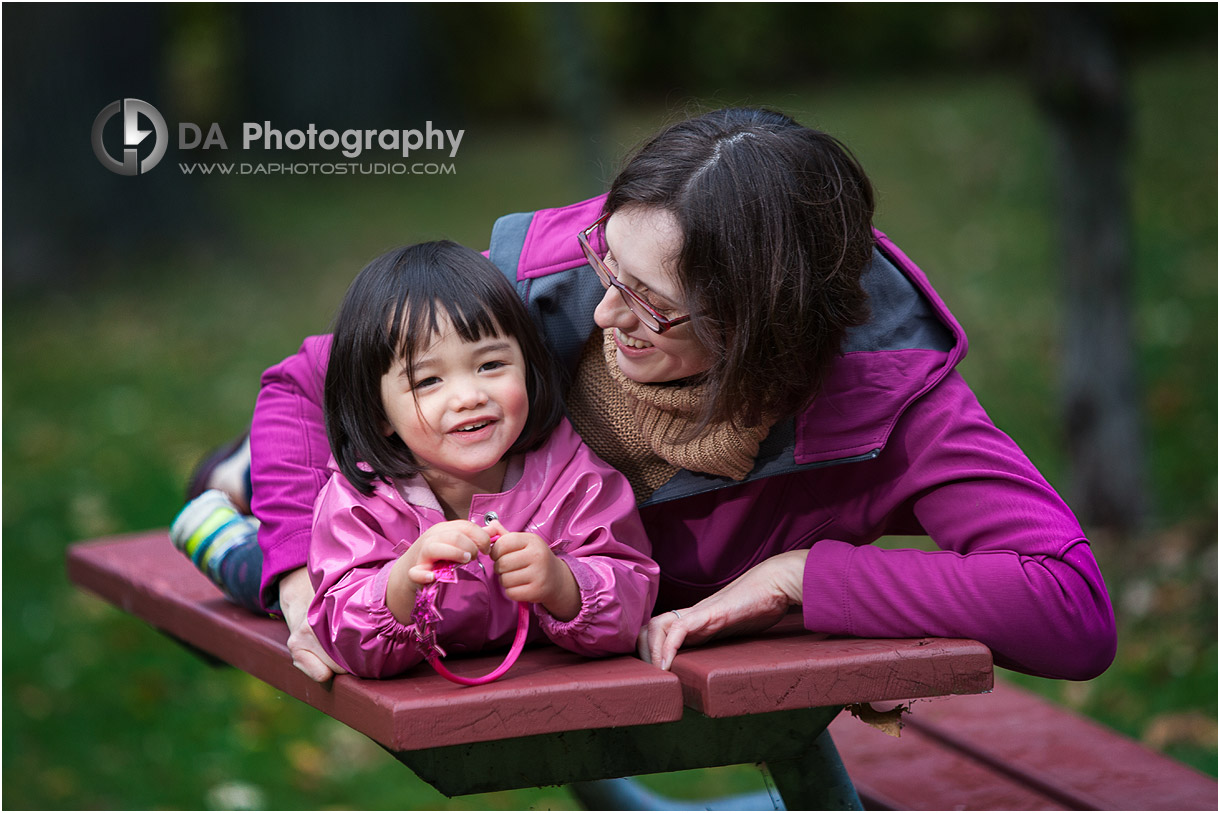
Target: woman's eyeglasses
{"points": [[646, 313]]}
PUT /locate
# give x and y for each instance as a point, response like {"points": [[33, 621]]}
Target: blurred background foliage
{"points": [[140, 312]]}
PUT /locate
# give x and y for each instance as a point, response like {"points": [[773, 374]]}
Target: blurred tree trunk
{"points": [[1081, 90], [580, 94]]}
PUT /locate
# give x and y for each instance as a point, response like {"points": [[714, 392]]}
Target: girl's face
{"points": [[642, 242], [467, 408]]}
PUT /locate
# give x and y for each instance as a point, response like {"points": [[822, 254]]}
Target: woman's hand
{"points": [[296, 592], [752, 602], [529, 571]]}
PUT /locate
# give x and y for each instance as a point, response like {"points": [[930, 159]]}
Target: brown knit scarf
{"points": [[635, 427]]}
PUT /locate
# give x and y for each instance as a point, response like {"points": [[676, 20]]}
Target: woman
{"points": [[776, 379]]}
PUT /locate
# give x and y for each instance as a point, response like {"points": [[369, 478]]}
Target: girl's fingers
{"points": [[478, 536], [510, 543], [522, 553], [436, 554], [421, 574], [507, 560], [516, 577], [460, 530], [494, 529], [459, 551]]}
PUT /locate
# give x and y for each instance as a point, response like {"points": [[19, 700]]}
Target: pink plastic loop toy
{"points": [[423, 630]]}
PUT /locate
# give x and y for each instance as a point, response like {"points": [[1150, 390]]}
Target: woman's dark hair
{"points": [[391, 311], [776, 221]]}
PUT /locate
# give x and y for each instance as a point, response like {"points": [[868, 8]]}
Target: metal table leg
{"points": [[815, 780], [628, 793]]}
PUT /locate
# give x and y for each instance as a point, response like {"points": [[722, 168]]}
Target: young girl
{"points": [[449, 446]]}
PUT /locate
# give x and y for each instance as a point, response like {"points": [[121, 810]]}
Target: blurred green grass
{"points": [[114, 388]]}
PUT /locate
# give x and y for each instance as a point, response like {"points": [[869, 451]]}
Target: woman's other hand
{"points": [[296, 592], [752, 602]]}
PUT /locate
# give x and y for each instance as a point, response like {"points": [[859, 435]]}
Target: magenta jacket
{"points": [[562, 492], [896, 444]]}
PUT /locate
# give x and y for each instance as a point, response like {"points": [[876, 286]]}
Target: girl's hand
{"points": [[752, 602], [529, 571], [457, 541]]}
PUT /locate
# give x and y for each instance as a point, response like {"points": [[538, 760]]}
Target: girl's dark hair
{"points": [[776, 221], [391, 311]]}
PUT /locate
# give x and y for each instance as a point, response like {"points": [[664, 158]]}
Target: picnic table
{"points": [[556, 717]]}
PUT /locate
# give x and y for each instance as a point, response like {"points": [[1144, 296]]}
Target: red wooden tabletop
{"points": [[790, 668], [549, 689]]}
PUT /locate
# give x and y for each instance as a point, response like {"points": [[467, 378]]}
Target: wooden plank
{"points": [[804, 669], [917, 772], [1062, 754], [547, 690]]}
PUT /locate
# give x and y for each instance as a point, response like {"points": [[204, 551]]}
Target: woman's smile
{"points": [[628, 343]]}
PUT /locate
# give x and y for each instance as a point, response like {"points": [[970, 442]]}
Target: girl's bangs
{"points": [[412, 329]]}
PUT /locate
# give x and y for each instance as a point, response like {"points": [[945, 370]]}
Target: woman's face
{"points": [[643, 243]]}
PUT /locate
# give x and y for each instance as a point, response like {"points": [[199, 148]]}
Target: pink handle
{"points": [[523, 626]]}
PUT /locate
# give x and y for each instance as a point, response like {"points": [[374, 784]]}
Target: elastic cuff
{"points": [[825, 602], [384, 621], [591, 601]]}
